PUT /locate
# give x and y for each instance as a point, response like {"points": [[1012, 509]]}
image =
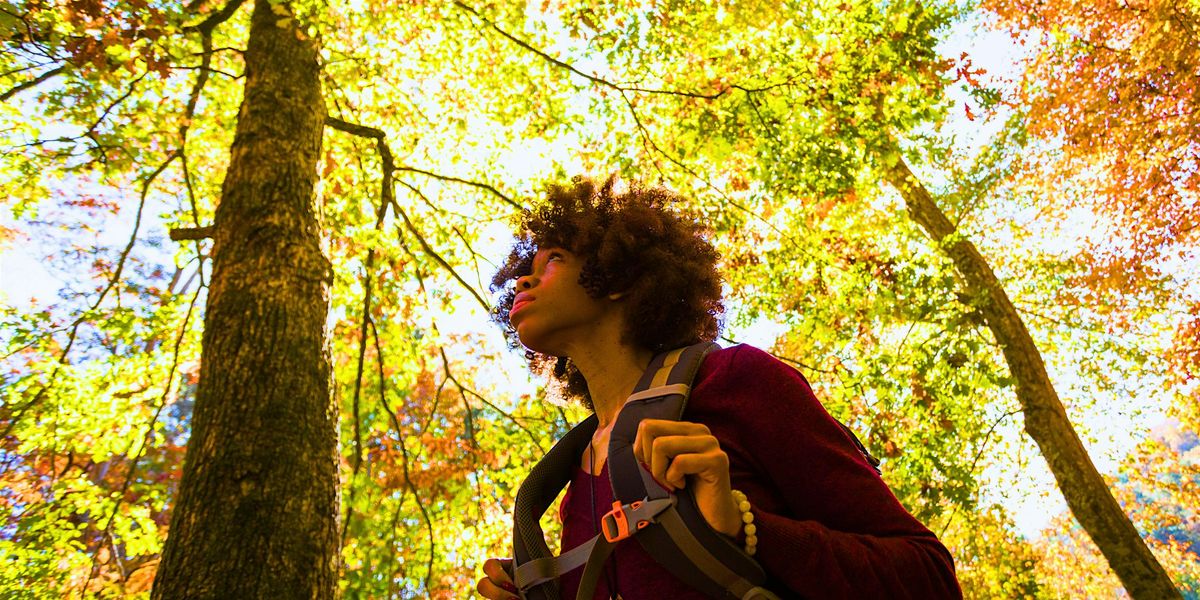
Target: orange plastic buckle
{"points": [[617, 529]]}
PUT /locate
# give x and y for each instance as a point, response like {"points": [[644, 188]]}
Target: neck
{"points": [[612, 369]]}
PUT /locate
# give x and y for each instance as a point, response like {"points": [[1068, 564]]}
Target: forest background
{"points": [[861, 173]]}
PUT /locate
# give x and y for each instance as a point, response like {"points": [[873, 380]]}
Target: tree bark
{"points": [[1046, 421], [256, 513]]}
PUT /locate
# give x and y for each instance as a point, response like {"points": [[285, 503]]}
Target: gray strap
{"points": [[758, 593], [702, 558], [595, 566], [536, 572], [662, 390]]}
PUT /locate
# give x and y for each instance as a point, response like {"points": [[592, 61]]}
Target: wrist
{"points": [[731, 525]]}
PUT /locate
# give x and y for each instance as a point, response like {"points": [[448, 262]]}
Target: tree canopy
{"points": [[1073, 178]]}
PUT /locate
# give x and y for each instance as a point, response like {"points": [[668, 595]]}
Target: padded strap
{"points": [[662, 394], [594, 568], [539, 490], [701, 557]]}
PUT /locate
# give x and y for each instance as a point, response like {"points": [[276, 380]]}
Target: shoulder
{"points": [[743, 364], [745, 378]]}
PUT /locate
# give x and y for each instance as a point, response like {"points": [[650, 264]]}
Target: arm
{"points": [[847, 536]]}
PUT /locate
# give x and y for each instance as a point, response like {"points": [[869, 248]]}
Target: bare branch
{"points": [[112, 283], [146, 438], [589, 77], [20, 87], [465, 390], [404, 461], [482, 186], [982, 446], [206, 26], [389, 166], [437, 257], [191, 233]]}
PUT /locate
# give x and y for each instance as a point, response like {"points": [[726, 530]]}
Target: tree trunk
{"points": [[1046, 421], [256, 513]]}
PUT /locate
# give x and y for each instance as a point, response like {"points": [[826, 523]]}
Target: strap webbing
{"points": [[541, 570]]}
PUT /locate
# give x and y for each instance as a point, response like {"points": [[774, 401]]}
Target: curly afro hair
{"points": [[633, 242]]}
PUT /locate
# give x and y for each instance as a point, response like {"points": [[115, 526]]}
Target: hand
{"points": [[679, 453], [497, 585]]}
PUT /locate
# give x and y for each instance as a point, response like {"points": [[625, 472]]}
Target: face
{"points": [[551, 311]]}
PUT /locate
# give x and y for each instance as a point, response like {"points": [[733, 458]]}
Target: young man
{"points": [[606, 280]]}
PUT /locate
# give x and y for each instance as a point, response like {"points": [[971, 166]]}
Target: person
{"points": [[602, 279]]}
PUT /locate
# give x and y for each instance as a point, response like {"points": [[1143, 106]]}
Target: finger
{"points": [[668, 449], [497, 570], [649, 429], [488, 589], [712, 466]]}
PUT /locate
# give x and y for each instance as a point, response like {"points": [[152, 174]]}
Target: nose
{"points": [[525, 282]]}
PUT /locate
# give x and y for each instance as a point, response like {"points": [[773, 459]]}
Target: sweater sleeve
{"points": [[846, 535]]}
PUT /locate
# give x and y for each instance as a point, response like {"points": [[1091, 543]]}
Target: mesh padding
{"points": [[537, 493]]}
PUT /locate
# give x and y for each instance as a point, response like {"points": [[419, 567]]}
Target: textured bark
{"points": [[256, 513], [1046, 420]]}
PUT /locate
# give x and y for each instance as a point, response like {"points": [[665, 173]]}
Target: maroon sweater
{"points": [[828, 526]]}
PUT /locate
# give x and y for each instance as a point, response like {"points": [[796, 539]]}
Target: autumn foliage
{"points": [[1075, 174]]}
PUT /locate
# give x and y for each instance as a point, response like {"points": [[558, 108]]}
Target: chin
{"points": [[535, 343]]}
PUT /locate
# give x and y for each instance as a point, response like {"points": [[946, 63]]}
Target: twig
{"points": [[463, 389], [437, 257], [589, 77], [404, 462], [476, 184], [982, 446]]}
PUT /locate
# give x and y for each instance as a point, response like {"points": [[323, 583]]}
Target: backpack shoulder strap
{"points": [[684, 543], [539, 490]]}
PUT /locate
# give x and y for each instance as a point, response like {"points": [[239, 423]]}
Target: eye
{"points": [[554, 255]]}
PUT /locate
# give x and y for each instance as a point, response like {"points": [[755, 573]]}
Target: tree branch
{"points": [[437, 257], [589, 77], [207, 25], [191, 233], [482, 186], [20, 87]]}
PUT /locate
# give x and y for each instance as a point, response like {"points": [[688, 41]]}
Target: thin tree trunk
{"points": [[1046, 421], [256, 513]]}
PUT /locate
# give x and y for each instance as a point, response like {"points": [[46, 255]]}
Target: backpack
{"points": [[668, 525]]}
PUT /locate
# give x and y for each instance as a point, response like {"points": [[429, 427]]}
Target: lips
{"points": [[521, 300]]}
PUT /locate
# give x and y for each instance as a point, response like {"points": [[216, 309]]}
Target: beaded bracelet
{"points": [[743, 505]]}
